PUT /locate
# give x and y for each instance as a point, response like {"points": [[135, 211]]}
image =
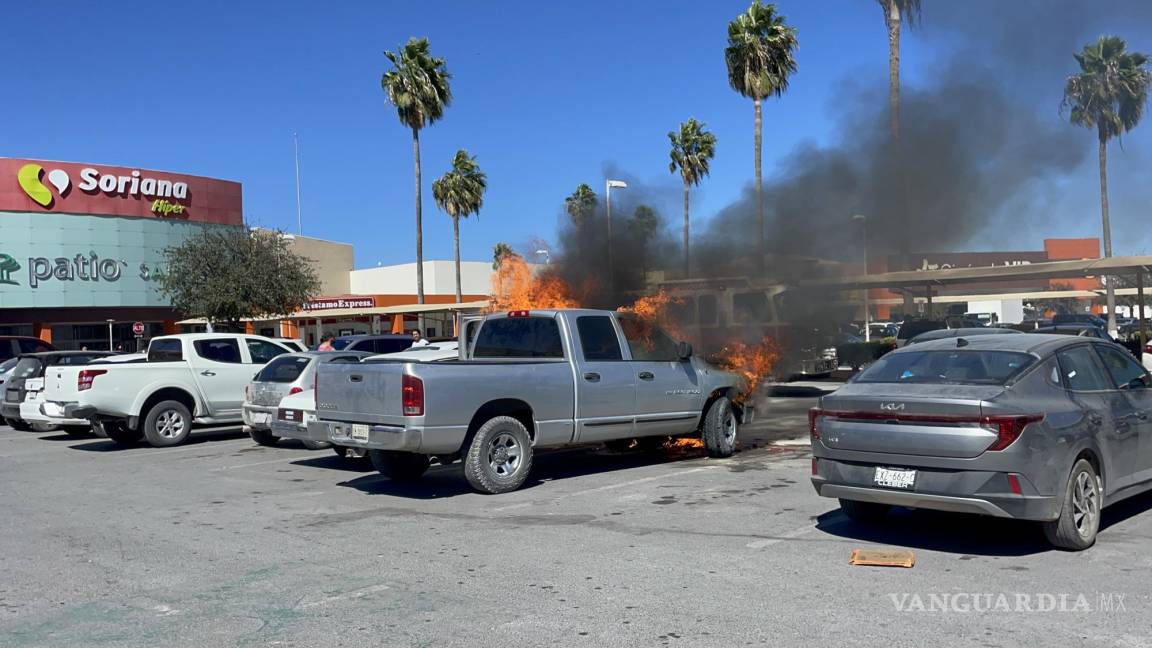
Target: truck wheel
{"points": [[720, 429], [315, 445], [78, 430], [500, 456], [263, 437], [119, 433], [18, 424], [168, 423], [1079, 519], [865, 512], [399, 466]]}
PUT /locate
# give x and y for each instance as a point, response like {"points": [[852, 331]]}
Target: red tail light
{"points": [[295, 390], [1148, 348], [412, 389], [814, 470], [814, 414], [1007, 428], [1014, 484], [86, 376], [518, 313]]}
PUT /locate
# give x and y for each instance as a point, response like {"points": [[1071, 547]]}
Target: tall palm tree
{"points": [[692, 149], [1108, 94], [460, 193], [580, 204], [417, 85], [895, 12], [500, 251], [760, 58], [643, 226]]}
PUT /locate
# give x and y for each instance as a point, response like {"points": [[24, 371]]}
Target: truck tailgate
{"points": [[363, 393], [60, 384]]}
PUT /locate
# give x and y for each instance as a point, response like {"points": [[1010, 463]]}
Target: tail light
{"points": [[1007, 428], [1014, 484], [295, 390], [518, 313], [412, 389], [815, 471], [813, 415], [1148, 348], [86, 376]]}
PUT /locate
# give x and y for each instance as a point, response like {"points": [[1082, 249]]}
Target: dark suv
{"points": [[33, 365], [373, 343], [14, 345]]}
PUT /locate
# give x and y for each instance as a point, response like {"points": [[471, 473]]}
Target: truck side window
{"points": [[165, 351], [598, 338], [223, 350], [647, 341], [519, 337], [261, 351]]}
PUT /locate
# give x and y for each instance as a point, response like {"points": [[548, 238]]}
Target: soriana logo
{"points": [[166, 196]]}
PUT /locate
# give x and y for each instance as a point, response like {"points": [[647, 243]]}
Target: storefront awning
{"points": [[401, 309]]}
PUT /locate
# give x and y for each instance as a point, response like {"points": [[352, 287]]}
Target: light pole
{"points": [[546, 254], [619, 184], [867, 315], [110, 323]]}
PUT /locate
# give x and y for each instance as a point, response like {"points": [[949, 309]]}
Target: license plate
{"points": [[260, 418], [359, 432], [895, 478], [34, 384]]}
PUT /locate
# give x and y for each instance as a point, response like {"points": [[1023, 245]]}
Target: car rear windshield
{"points": [[519, 337], [284, 369], [27, 368], [949, 367]]}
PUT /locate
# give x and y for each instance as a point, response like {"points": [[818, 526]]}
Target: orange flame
{"points": [[754, 363], [655, 310], [516, 287]]}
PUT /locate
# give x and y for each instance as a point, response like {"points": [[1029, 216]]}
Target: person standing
{"points": [[326, 342], [418, 339]]}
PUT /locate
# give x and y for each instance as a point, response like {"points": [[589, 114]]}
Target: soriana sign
{"points": [[70, 188]]}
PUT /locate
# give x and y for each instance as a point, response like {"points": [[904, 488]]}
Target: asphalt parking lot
{"points": [[225, 543]]}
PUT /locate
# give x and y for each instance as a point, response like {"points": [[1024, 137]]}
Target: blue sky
{"points": [[546, 94]]}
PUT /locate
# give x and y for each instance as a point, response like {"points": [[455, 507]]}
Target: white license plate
{"points": [[34, 384], [359, 432], [895, 478], [261, 418]]}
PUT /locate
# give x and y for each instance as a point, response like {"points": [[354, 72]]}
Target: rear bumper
{"points": [[42, 412], [259, 417], [960, 491], [379, 437], [10, 410]]}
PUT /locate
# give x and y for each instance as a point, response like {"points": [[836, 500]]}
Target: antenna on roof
{"points": [[961, 342]]}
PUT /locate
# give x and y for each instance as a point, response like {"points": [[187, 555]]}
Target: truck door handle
{"points": [[646, 375], [592, 376], [1143, 416], [356, 378], [207, 373], [1095, 419]]}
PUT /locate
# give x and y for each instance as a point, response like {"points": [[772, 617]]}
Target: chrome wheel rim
{"points": [[504, 455], [1085, 504], [170, 424], [730, 427]]}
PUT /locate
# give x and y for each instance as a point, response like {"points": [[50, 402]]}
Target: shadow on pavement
{"points": [[1123, 510], [197, 437], [956, 533], [330, 461]]}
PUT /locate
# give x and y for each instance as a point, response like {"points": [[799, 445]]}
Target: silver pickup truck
{"points": [[527, 380]]}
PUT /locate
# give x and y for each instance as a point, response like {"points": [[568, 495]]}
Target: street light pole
{"points": [[619, 184], [110, 323], [299, 212], [867, 307]]}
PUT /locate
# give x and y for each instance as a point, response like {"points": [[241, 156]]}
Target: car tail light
{"points": [[295, 390], [412, 389], [814, 471], [1008, 428], [1014, 484], [518, 313], [86, 376], [814, 414], [1148, 348]]}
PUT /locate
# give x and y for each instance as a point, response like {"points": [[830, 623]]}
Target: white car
{"points": [[195, 378]]}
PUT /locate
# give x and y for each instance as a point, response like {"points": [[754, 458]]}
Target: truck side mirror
{"points": [[683, 350]]}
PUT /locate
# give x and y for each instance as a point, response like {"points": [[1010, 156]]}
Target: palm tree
{"points": [[643, 225], [896, 11], [692, 149], [580, 204], [1108, 94], [760, 58], [500, 251], [417, 85], [460, 193]]}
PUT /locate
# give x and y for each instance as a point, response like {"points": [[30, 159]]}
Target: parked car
{"points": [[288, 374], [535, 379], [15, 345], [24, 387], [120, 358], [941, 334], [1080, 318], [6, 369], [291, 343], [189, 379], [390, 343], [297, 410], [912, 327], [1081, 330], [1036, 427]]}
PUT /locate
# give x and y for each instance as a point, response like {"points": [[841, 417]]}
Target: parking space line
{"points": [[257, 463], [789, 535]]}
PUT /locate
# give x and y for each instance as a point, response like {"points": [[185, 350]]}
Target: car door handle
{"points": [[207, 373], [356, 378], [592, 376], [1095, 419], [646, 375]]}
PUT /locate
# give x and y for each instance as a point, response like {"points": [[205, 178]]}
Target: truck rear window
{"points": [[165, 351], [283, 369], [519, 337], [950, 367]]}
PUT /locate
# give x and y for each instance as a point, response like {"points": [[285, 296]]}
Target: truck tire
{"points": [[719, 434], [1079, 521], [119, 433], [168, 423], [263, 437], [499, 457], [18, 424], [78, 431], [399, 466]]}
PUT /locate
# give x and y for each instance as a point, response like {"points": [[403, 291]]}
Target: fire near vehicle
{"points": [[527, 380]]}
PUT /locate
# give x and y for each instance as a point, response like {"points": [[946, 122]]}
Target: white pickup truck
{"points": [[195, 378]]}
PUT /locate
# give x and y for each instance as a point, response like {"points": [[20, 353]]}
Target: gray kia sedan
{"points": [[1035, 427]]}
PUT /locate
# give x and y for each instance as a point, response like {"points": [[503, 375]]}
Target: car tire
{"points": [[864, 512], [499, 457], [168, 423], [399, 466], [1079, 521], [315, 445], [263, 437], [119, 433], [720, 427], [78, 431], [18, 424]]}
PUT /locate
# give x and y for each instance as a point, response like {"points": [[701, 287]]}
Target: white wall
{"points": [[439, 279]]}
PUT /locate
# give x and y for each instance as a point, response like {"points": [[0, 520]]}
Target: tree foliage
{"points": [[1111, 89], [500, 252], [692, 150], [226, 274], [581, 204], [417, 85], [644, 222], [760, 52], [460, 191]]}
